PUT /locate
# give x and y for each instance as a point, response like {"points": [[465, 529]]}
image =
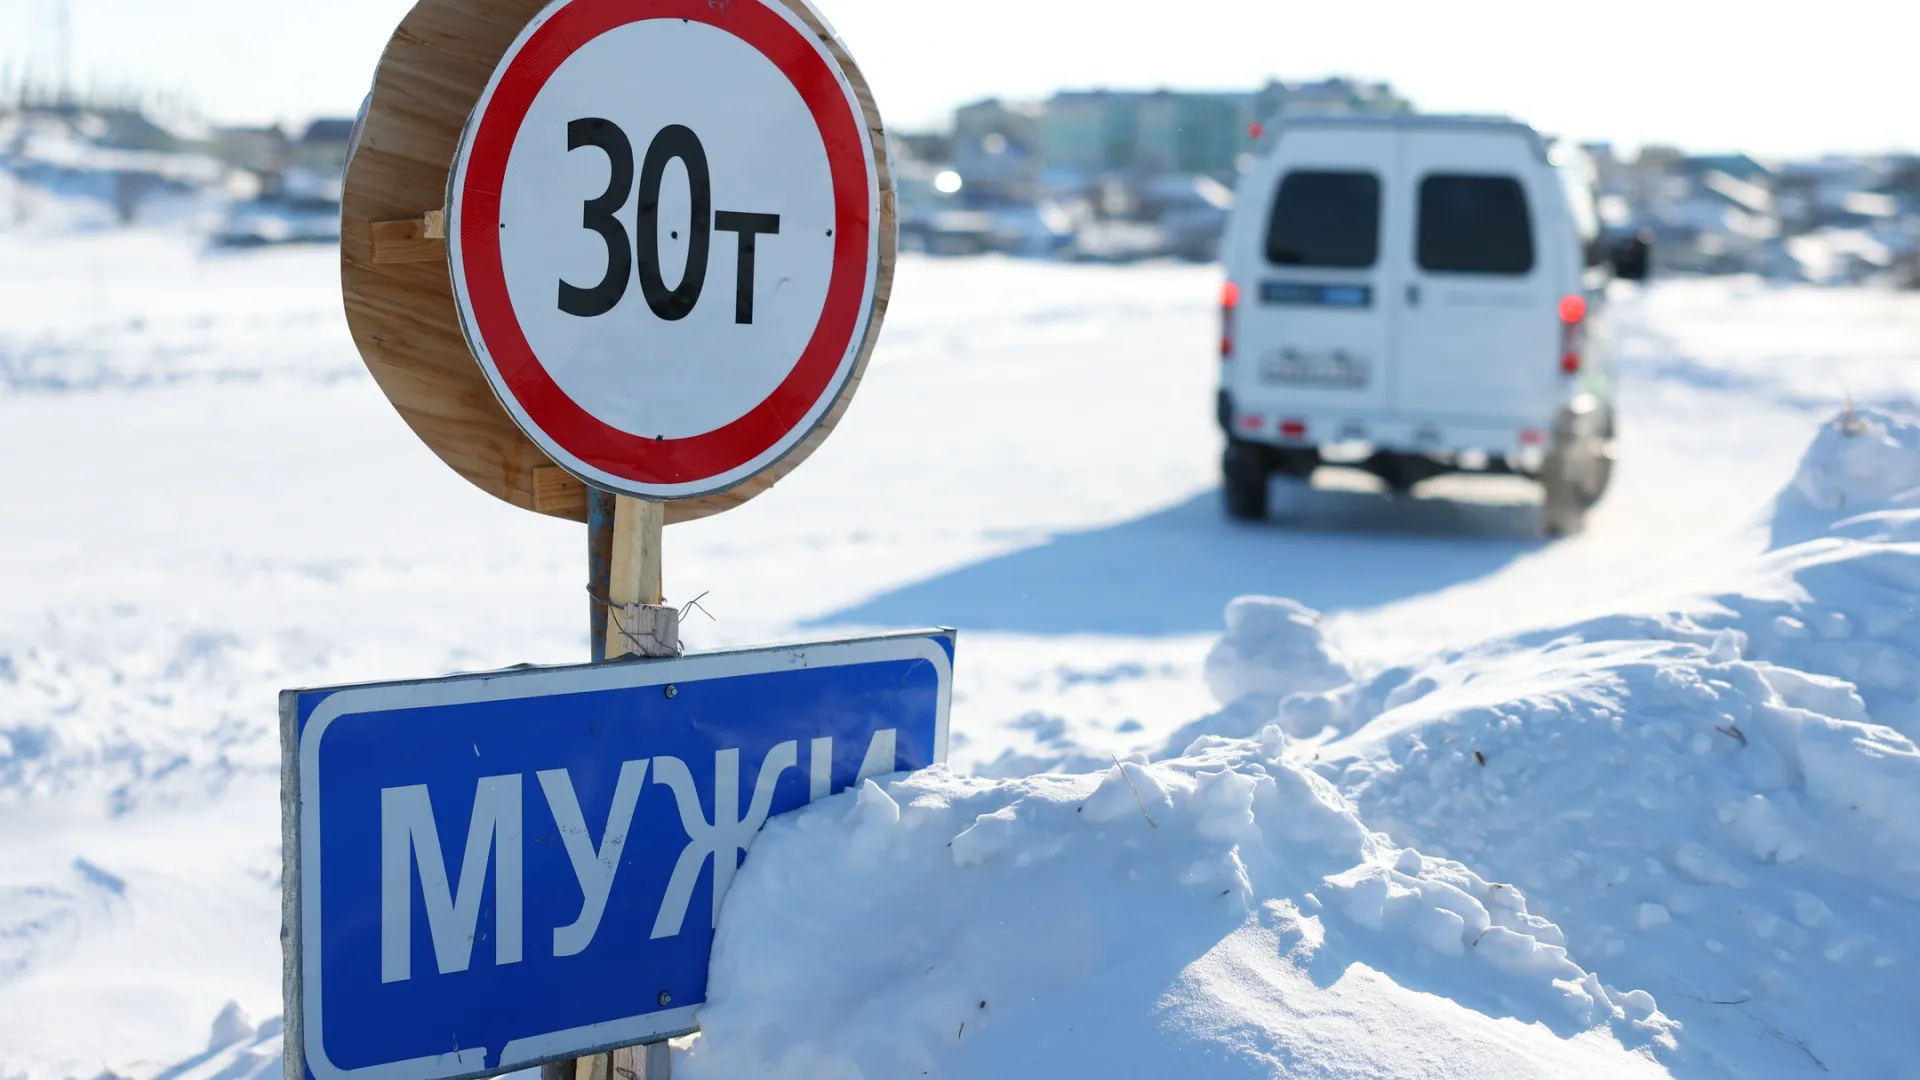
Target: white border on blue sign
{"points": [[513, 685]]}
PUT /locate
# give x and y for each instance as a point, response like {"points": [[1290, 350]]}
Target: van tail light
{"points": [[1229, 302], [1573, 317], [1293, 429]]}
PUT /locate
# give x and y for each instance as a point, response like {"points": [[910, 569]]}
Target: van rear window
{"points": [[1325, 219], [1475, 225]]}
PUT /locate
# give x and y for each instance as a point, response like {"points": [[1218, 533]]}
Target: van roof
{"points": [[1418, 121]]}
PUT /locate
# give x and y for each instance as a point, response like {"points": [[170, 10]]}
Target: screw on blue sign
{"points": [[467, 857]]}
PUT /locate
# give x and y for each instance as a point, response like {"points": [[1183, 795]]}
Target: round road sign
{"points": [[665, 238]]}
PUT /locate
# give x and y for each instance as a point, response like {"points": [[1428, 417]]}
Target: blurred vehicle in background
{"points": [[1415, 296], [1192, 212], [938, 215], [298, 184], [279, 220], [930, 215]]}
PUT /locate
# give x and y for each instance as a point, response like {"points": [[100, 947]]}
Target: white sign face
{"points": [[665, 238]]}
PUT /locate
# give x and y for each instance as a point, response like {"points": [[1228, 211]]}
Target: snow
{"points": [[1637, 802], [1226, 904], [1272, 648], [1860, 461], [239, 1053], [1702, 830]]}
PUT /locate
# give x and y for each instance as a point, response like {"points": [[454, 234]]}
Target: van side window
{"points": [[1475, 225], [1325, 219]]}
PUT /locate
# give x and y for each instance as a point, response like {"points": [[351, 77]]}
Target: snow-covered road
{"points": [[208, 500]]}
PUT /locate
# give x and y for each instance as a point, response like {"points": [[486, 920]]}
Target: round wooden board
{"points": [[401, 309]]}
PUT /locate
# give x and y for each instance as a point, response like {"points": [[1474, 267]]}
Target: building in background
{"points": [[1087, 134], [83, 161], [1196, 134], [1091, 174], [297, 183], [317, 162], [1328, 97], [996, 151], [1151, 171], [1839, 219], [258, 152]]}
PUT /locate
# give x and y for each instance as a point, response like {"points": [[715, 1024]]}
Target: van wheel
{"points": [[1574, 476], [1564, 513], [1603, 467], [1244, 480], [1602, 476], [1587, 467]]}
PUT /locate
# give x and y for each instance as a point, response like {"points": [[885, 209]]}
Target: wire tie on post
{"points": [[629, 614]]}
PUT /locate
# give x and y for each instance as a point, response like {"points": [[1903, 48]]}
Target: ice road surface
{"points": [[1474, 804]]}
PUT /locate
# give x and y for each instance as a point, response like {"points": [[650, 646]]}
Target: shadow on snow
{"points": [[1173, 571]]}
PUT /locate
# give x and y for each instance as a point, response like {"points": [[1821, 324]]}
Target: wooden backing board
{"points": [[401, 309]]}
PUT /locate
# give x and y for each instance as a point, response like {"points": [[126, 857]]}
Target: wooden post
{"points": [[638, 621], [623, 570], [653, 1061]]}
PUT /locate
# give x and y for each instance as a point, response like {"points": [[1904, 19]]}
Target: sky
{"points": [[1771, 79]]}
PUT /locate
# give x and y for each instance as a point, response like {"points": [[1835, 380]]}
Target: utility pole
{"points": [[63, 43]]}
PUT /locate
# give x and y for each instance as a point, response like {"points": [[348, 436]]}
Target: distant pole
{"points": [[63, 43]]}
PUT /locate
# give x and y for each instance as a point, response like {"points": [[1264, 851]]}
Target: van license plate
{"points": [[1333, 369]]}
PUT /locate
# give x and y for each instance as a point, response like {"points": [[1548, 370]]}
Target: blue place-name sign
{"points": [[486, 872]]}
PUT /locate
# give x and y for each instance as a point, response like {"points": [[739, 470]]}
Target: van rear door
{"points": [[1314, 320], [1478, 335]]}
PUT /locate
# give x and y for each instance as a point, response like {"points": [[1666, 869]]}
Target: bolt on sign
{"points": [[621, 261]]}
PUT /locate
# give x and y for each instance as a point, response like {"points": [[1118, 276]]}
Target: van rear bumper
{"points": [[1439, 437]]}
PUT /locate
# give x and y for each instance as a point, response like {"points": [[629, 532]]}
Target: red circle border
{"points": [[636, 458]]}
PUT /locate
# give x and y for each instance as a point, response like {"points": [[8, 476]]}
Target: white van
{"points": [[1415, 296]]}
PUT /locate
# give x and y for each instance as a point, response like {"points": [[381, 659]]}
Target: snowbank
{"points": [[1226, 907], [1685, 840], [1861, 460], [1274, 665], [236, 1050], [1273, 648], [1719, 805]]}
